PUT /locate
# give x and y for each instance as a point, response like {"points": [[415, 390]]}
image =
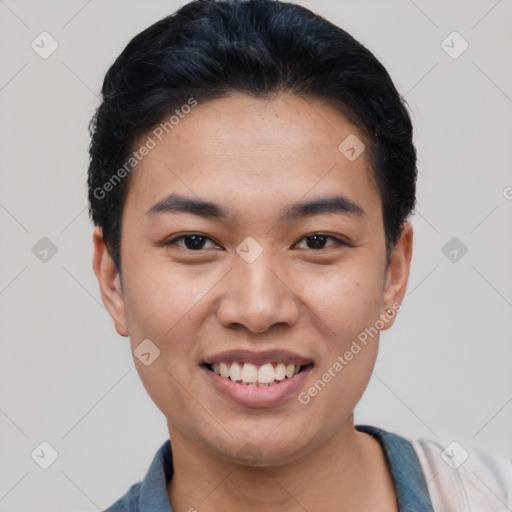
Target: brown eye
{"points": [[318, 241], [193, 242]]}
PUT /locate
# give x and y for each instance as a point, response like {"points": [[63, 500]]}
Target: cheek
{"points": [[346, 299], [159, 306], [158, 298], [349, 303]]}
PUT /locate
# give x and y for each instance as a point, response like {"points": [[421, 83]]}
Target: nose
{"points": [[258, 296]]}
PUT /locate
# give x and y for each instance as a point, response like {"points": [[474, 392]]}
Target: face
{"points": [[284, 264]]}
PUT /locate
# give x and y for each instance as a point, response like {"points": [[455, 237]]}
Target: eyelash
{"points": [[337, 241]]}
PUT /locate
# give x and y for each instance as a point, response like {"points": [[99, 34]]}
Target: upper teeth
{"points": [[249, 373]]}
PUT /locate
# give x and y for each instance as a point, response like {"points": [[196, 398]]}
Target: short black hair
{"points": [[209, 49]]}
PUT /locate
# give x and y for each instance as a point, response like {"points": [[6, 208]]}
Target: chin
{"points": [[273, 449]]}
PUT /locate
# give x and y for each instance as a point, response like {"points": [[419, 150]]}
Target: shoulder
{"points": [[129, 502], [464, 478], [151, 493]]}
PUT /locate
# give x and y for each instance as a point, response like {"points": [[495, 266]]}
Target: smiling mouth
{"points": [[248, 374]]}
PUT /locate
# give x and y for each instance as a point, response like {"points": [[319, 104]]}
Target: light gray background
{"points": [[67, 378]]}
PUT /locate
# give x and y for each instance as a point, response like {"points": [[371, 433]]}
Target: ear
{"points": [[109, 280], [397, 273]]}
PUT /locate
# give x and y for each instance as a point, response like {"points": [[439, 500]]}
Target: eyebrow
{"points": [[175, 203]]}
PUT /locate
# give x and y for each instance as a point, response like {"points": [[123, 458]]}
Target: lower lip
{"points": [[254, 396]]}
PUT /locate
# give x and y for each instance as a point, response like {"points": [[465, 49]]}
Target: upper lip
{"points": [[258, 358]]}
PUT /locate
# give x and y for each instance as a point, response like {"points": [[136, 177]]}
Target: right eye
{"points": [[192, 241]]}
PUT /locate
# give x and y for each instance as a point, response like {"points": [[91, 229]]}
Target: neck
{"points": [[346, 473]]}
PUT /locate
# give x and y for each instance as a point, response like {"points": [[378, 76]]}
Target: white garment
{"points": [[481, 483]]}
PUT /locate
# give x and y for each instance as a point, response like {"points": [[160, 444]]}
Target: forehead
{"points": [[287, 147]]}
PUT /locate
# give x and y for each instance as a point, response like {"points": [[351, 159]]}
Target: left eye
{"points": [[318, 240]]}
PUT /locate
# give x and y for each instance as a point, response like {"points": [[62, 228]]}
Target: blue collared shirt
{"points": [[150, 495]]}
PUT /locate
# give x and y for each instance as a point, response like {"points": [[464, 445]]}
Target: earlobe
{"points": [[109, 281], [397, 273]]}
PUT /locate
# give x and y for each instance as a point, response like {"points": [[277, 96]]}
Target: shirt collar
{"points": [[153, 491], [405, 468], [410, 484]]}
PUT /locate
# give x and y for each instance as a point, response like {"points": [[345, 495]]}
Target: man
{"points": [[252, 172]]}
